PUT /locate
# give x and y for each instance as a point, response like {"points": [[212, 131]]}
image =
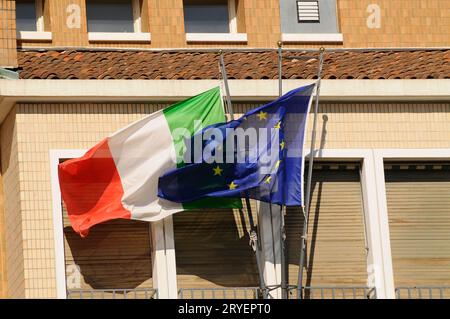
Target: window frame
{"points": [[231, 36], [40, 23], [136, 36], [40, 34]]}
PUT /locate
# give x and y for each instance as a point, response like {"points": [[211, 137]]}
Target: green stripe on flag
{"points": [[194, 114]]}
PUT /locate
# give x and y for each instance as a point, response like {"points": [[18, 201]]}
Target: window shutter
{"points": [[418, 200], [308, 11], [336, 253]]}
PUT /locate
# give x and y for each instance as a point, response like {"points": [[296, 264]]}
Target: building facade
{"points": [[380, 211]]}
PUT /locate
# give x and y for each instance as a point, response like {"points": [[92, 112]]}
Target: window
{"points": [[309, 21], [28, 15], [308, 11], [214, 21], [113, 15], [209, 16], [30, 20]]}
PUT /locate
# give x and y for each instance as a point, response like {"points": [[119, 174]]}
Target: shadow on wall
{"points": [[115, 255], [309, 262], [212, 250], [294, 225]]}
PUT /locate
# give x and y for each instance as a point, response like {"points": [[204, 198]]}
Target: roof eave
{"points": [[13, 91]]}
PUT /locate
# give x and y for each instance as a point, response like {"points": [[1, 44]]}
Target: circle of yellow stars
{"points": [[232, 186]]}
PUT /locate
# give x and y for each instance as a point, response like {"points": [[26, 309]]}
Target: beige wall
{"points": [[13, 212], [404, 23], [8, 55], [3, 281], [31, 130]]}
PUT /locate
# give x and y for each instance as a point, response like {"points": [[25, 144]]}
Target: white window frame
{"points": [[137, 16], [136, 36], [40, 34], [163, 250], [232, 36]]}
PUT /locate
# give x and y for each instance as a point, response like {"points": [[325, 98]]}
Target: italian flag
{"points": [[118, 177]]}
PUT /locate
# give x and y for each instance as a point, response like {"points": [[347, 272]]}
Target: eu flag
{"points": [[259, 156]]}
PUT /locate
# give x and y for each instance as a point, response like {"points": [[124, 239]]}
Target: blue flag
{"points": [[259, 156]]}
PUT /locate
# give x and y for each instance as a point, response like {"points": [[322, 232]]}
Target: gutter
{"points": [[8, 74], [230, 50]]}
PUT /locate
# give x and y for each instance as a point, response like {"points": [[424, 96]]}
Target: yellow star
{"points": [[245, 118], [282, 145], [277, 164], [217, 171], [268, 179], [262, 115], [232, 186], [278, 125]]}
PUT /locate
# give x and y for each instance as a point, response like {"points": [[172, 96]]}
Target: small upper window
{"points": [[308, 16], [113, 15], [26, 17], [308, 11], [209, 16]]}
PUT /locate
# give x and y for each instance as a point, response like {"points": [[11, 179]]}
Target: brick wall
{"points": [[404, 23], [167, 23], [262, 19], [31, 130], [65, 30], [8, 55]]}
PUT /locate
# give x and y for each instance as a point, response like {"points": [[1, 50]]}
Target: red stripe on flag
{"points": [[91, 189]]}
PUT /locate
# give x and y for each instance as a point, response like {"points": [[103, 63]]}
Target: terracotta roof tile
{"points": [[92, 64]]}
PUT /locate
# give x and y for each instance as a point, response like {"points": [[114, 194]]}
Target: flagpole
{"points": [[227, 89], [282, 230], [253, 230], [255, 245], [308, 186], [280, 70]]}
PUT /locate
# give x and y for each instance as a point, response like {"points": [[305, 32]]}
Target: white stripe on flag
{"points": [[142, 152]]}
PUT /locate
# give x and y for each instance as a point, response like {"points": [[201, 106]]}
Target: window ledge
{"points": [[312, 37], [34, 35], [119, 36], [216, 37]]}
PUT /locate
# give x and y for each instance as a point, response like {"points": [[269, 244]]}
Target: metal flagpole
{"points": [[280, 70], [308, 186], [282, 230], [227, 89], [253, 230], [256, 247]]}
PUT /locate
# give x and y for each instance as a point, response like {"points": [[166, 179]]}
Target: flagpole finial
{"points": [[280, 44], [322, 49], [220, 51]]}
